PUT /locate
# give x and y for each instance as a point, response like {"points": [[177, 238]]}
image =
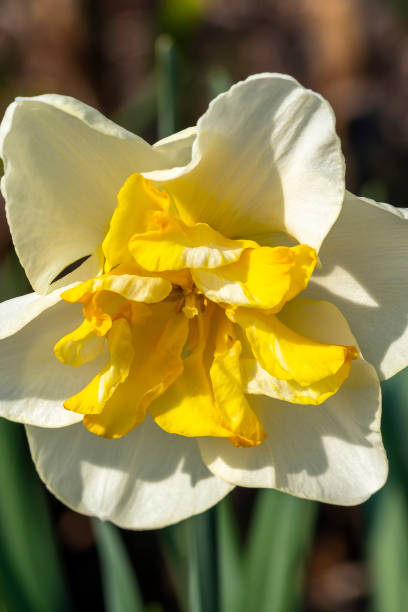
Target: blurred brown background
{"points": [[354, 52]]}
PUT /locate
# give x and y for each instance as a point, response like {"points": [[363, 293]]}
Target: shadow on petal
{"points": [[34, 383], [332, 452], [143, 480], [364, 274]]}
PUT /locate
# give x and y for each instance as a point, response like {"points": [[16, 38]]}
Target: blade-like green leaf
{"points": [[395, 423], [13, 281], [30, 574], [388, 550], [203, 562], [230, 558], [201, 552], [281, 529], [120, 587], [173, 544], [387, 511]]}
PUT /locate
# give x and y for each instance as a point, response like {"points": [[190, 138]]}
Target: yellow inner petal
{"points": [[158, 340], [176, 246], [228, 388], [93, 398], [264, 277], [138, 203], [208, 400], [131, 287], [191, 322], [292, 358]]}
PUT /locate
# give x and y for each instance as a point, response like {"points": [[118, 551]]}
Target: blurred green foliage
{"points": [[119, 582], [387, 511], [401, 6], [179, 18], [217, 570], [13, 281], [31, 577]]}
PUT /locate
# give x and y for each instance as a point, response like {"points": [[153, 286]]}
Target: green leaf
{"points": [[281, 530], [203, 557], [395, 422], [120, 587], [13, 280], [202, 562], [230, 558], [31, 577], [388, 550], [387, 511], [173, 544]]}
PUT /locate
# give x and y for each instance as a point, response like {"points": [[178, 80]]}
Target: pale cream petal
{"points": [[178, 147], [64, 165], [266, 158], [365, 273], [19, 311], [332, 452], [91, 267], [34, 383], [145, 480]]}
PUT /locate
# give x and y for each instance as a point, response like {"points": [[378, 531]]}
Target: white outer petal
{"points": [[64, 165], [332, 452], [19, 311], [145, 480], [90, 268], [34, 383], [266, 158], [178, 147], [365, 273]]}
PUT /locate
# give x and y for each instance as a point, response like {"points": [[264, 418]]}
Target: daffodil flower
{"points": [[231, 318]]}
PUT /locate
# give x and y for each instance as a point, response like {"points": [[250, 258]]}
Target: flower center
{"points": [[194, 324], [194, 304]]}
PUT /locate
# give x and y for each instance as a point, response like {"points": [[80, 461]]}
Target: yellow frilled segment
{"points": [[158, 341], [140, 204], [208, 398], [173, 310], [263, 277]]}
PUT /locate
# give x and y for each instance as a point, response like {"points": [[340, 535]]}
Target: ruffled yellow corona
{"points": [[188, 319]]}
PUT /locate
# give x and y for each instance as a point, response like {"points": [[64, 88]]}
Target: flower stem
{"points": [[166, 85]]}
